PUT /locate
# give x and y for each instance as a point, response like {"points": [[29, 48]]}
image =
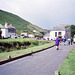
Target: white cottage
{"points": [[8, 31], [58, 31], [31, 36]]}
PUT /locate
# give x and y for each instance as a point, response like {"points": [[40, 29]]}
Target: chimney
{"points": [[6, 25], [11, 25]]}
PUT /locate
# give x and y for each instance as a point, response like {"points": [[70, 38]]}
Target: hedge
{"points": [[10, 45]]}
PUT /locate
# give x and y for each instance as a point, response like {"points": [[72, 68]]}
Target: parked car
{"points": [[74, 39]]}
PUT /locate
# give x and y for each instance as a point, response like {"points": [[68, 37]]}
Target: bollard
{"points": [[70, 51], [43, 47], [57, 72], [67, 57], [31, 51], [9, 57]]}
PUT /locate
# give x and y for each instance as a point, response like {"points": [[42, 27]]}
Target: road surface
{"points": [[41, 63]]}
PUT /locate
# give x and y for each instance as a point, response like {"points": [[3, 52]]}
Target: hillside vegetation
{"points": [[20, 24]]}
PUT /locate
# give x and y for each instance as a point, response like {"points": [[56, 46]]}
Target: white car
{"points": [[74, 40]]}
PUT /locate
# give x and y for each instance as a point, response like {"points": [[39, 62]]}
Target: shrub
{"points": [[2, 49], [23, 47], [72, 29], [15, 44]]}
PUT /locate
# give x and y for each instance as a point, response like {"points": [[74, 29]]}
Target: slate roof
{"points": [[9, 26], [59, 27], [47, 35], [1, 26]]}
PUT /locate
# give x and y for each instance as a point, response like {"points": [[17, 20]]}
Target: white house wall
{"points": [[31, 36], [8, 31], [4, 33], [12, 35], [52, 34], [63, 34]]}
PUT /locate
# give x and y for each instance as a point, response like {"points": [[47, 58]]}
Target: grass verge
{"points": [[68, 66], [13, 54]]}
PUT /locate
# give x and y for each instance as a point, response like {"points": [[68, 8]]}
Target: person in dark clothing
{"points": [[71, 40], [64, 40]]}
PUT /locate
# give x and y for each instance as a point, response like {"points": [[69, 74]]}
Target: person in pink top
{"points": [[60, 40]]}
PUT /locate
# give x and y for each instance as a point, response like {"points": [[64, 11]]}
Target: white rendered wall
{"points": [[31, 36], [4, 33], [63, 34], [12, 35], [52, 34]]}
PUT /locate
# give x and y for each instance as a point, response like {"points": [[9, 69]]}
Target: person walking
{"points": [[64, 40], [69, 41], [60, 41], [57, 43]]}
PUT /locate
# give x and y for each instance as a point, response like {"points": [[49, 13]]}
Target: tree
{"points": [[72, 29], [0, 33]]}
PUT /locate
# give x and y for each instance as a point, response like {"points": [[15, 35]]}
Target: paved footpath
{"points": [[42, 63]]}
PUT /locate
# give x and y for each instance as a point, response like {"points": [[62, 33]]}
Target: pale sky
{"points": [[43, 13]]}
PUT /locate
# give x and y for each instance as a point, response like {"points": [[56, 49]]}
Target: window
{"points": [[55, 34], [59, 33], [11, 30]]}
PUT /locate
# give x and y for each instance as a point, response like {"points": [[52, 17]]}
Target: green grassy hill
{"points": [[20, 24]]}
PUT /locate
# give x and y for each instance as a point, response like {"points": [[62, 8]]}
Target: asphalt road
{"points": [[42, 63]]}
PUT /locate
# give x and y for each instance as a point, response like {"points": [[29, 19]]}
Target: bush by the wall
{"points": [[2, 49], [16, 44]]}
